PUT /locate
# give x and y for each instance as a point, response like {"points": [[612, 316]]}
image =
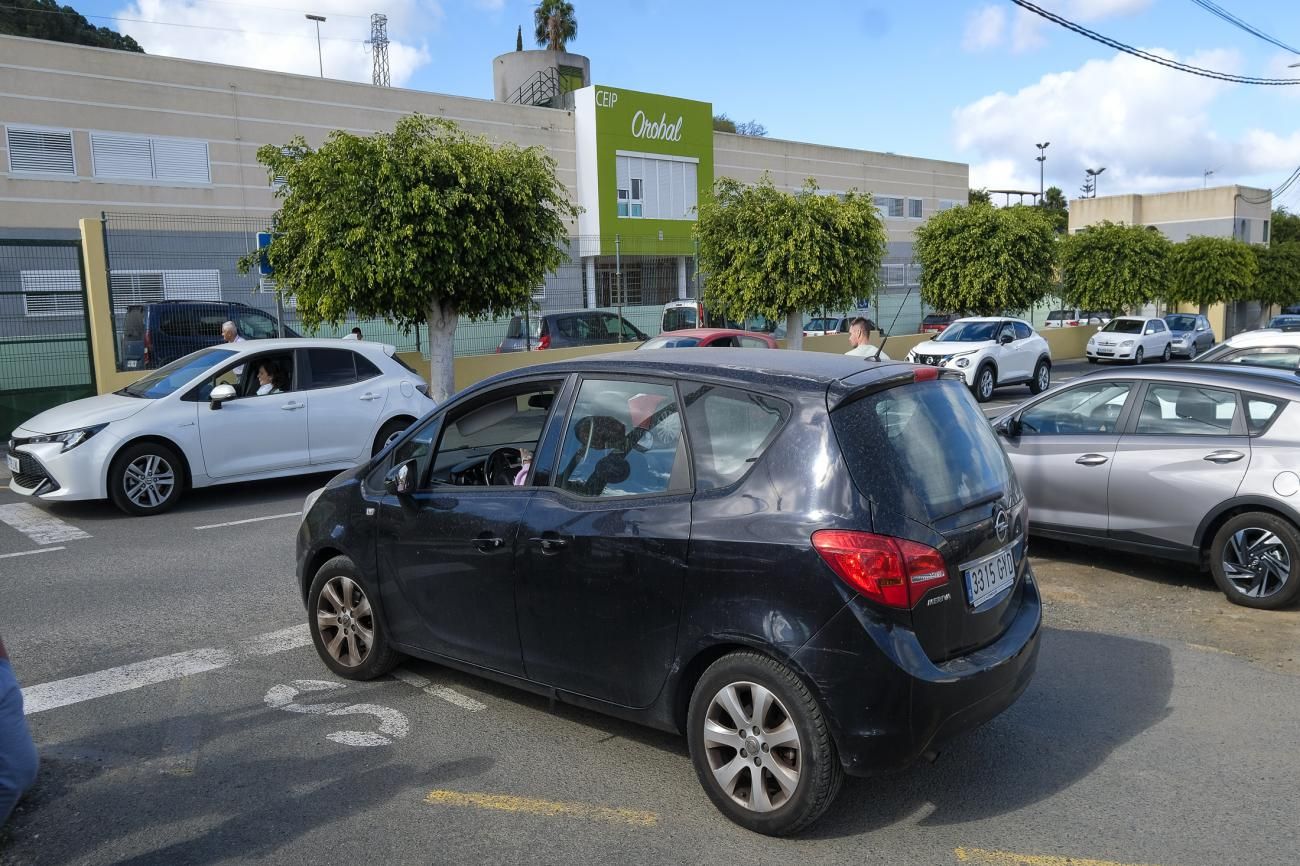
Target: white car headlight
{"points": [[70, 438], [1126, 344], [963, 362]]}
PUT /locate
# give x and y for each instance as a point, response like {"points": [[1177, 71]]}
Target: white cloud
{"points": [[1096, 10], [984, 28], [278, 39], [1027, 32], [1150, 127], [490, 5]]}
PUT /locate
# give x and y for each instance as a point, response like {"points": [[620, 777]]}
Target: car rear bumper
{"points": [[889, 704]]}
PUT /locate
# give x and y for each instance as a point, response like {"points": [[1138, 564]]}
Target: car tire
{"points": [[1137, 358], [1168, 353], [1255, 560], [1042, 377], [391, 429], [1092, 360], [1192, 352], [146, 478], [986, 379], [346, 623], [808, 764]]}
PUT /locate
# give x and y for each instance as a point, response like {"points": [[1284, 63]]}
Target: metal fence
{"points": [[44, 338]]}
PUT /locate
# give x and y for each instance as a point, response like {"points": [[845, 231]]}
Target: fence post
{"points": [[103, 351]]}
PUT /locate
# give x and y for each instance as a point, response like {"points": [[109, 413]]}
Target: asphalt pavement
{"points": [[183, 717]]}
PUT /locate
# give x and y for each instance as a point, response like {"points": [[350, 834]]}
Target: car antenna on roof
{"points": [[880, 351]]}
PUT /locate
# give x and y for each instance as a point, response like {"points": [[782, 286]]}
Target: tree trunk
{"points": [[1205, 309], [794, 330], [442, 352], [1265, 313]]}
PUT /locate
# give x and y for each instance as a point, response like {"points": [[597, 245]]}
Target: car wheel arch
{"points": [[693, 670], [1229, 509], [317, 559], [155, 439]]}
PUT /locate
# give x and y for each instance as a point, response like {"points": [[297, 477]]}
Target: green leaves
{"points": [[1279, 274], [985, 260], [1114, 267], [768, 252], [1206, 270]]}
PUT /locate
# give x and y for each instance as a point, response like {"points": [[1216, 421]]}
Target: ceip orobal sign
{"points": [[657, 130]]}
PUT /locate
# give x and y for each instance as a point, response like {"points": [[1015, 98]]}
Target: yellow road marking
{"points": [[1007, 858], [549, 808]]}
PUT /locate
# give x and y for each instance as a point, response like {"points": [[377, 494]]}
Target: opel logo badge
{"points": [[1001, 523]]}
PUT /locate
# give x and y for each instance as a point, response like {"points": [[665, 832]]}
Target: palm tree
{"points": [[556, 24]]}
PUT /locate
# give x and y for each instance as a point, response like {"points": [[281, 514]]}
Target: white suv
{"points": [[990, 352]]}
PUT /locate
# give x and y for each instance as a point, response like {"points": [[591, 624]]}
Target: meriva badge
{"points": [[659, 130]]}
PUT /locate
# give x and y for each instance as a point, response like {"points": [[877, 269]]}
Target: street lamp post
{"points": [[319, 60], [1042, 159], [1094, 173], [1205, 177]]}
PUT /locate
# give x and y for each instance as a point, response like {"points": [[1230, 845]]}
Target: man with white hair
{"points": [[230, 333]]}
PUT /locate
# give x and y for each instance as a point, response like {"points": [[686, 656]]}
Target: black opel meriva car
{"points": [[808, 564]]}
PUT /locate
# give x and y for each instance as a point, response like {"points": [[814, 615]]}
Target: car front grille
{"points": [[932, 360], [31, 473]]}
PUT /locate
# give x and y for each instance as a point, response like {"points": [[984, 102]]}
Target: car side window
{"points": [[1260, 412], [623, 438], [1187, 410], [1086, 409], [1006, 331], [1282, 357], [257, 326], [365, 368], [245, 377], [1022, 330], [751, 343], [331, 368], [729, 429], [491, 441]]}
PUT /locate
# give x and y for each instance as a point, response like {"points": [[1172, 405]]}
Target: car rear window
{"points": [[516, 328], [680, 318], [1058, 315], [670, 343], [923, 449], [729, 429]]}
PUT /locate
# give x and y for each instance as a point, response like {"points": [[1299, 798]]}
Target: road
{"points": [[183, 717], [1012, 395]]}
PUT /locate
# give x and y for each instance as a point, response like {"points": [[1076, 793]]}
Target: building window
{"points": [[136, 158], [890, 206], [51, 293], [40, 151], [893, 275], [1265, 233], [914, 208], [949, 204], [656, 188], [129, 288]]}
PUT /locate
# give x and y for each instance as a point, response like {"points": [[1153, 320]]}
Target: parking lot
{"points": [[183, 717]]}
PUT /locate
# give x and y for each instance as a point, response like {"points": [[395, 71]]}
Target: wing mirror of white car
{"points": [[220, 394]]}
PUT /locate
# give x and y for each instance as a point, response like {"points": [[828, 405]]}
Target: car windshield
{"points": [[1060, 315], [670, 343], [1284, 322], [177, 374], [822, 325], [1181, 323], [969, 332], [1124, 326]]}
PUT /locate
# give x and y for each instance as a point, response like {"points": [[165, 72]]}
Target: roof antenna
{"points": [[899, 312]]}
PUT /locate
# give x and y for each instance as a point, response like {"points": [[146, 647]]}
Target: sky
{"points": [[976, 81]]}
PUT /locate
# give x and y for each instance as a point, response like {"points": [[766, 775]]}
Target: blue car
{"points": [[157, 334]]}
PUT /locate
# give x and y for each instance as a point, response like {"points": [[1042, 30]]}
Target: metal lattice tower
{"points": [[378, 43]]}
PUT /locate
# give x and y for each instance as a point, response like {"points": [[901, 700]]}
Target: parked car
{"points": [[935, 323], [728, 338], [159, 333], [201, 420], [1131, 338], [1075, 318], [688, 314], [1188, 462], [990, 352], [823, 325], [733, 590], [1191, 334], [1263, 348], [1285, 322], [566, 330]]}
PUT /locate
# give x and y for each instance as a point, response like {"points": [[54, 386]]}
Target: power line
{"points": [[1147, 55], [1220, 12], [280, 35], [1275, 194]]}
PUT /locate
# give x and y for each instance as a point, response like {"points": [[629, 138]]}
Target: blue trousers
{"points": [[18, 760]]}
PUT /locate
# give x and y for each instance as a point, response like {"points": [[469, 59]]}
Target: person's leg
{"points": [[18, 761]]}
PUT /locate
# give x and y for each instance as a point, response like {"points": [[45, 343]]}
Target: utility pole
{"points": [[379, 46], [1042, 160], [1205, 177], [1095, 173], [319, 60]]}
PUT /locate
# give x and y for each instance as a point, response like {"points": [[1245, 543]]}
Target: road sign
{"points": [[263, 265]]}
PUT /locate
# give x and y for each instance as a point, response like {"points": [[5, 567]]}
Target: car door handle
{"points": [[1224, 456], [486, 542], [369, 396], [1092, 459], [291, 406], [550, 545]]}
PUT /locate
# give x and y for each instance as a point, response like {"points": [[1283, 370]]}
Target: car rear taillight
{"points": [[148, 348], [893, 571], [499, 346], [544, 341]]}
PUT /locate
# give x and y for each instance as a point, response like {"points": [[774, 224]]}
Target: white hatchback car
{"points": [[990, 351], [228, 413], [1131, 338]]}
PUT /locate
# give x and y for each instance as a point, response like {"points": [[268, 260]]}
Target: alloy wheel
{"points": [[1137, 359], [753, 746], [1044, 377], [345, 621], [148, 481], [1168, 353], [1192, 352], [986, 384], [1256, 562]]}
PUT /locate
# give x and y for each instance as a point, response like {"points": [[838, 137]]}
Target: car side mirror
{"points": [[220, 394], [1008, 427], [400, 480], [1005, 339]]}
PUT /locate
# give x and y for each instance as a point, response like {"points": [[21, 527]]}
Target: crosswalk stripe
{"points": [[40, 526]]}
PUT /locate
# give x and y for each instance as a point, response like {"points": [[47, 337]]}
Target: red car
{"points": [[721, 337], [936, 323]]}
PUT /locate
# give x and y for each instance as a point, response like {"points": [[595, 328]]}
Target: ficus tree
{"points": [[769, 252], [986, 260], [1209, 270], [421, 226], [1115, 267], [1278, 281]]}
